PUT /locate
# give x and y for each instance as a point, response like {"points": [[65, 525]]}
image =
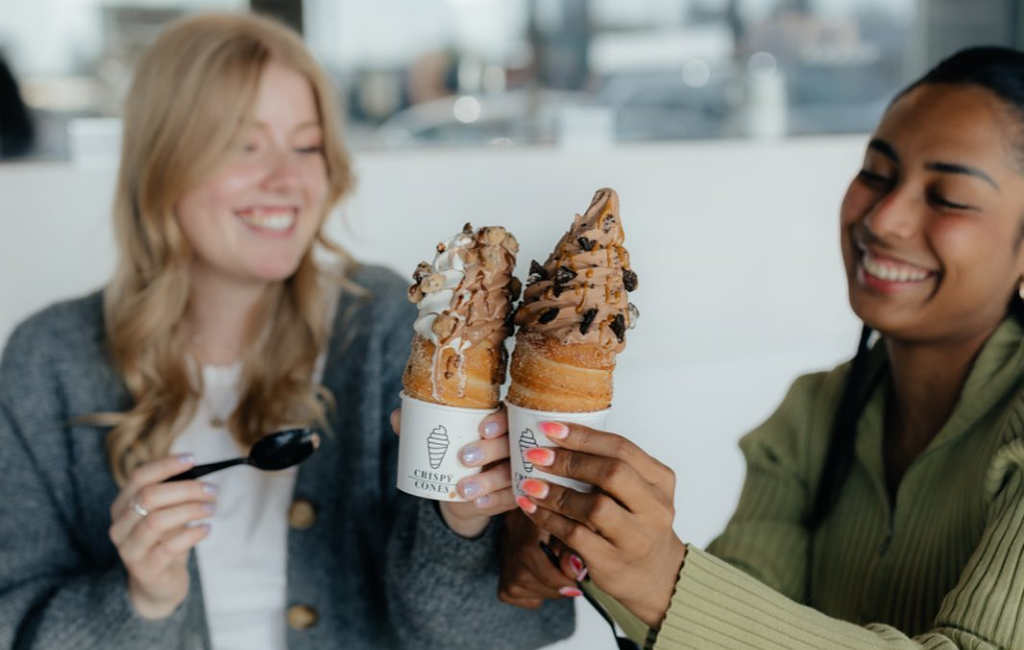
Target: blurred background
{"points": [[730, 129], [471, 73]]}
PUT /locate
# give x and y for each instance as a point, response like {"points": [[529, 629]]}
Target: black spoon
{"points": [[279, 450]]}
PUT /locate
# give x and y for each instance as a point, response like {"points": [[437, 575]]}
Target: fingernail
{"points": [[483, 502], [206, 526], [570, 592], [492, 429], [529, 506], [535, 488], [578, 569], [394, 419], [210, 508], [555, 430], [472, 455], [469, 489], [542, 457], [210, 488], [187, 459]]}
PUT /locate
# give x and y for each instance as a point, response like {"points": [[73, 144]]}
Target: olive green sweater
{"points": [[940, 564]]}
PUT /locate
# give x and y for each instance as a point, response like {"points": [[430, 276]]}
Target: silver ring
{"points": [[139, 510]]}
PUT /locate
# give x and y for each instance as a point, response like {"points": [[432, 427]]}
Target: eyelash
{"points": [[935, 197], [871, 178]]}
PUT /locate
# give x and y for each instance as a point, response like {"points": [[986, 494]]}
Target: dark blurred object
{"points": [[17, 133], [288, 12]]}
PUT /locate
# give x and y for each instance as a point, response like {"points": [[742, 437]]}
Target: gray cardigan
{"points": [[380, 568]]}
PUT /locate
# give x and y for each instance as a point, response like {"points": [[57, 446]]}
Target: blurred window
{"points": [[530, 72]]}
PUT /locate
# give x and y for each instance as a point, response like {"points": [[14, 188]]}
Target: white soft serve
{"points": [[450, 265]]}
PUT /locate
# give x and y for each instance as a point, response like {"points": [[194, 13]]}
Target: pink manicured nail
{"points": [[528, 506], [535, 488], [555, 430], [570, 592], [578, 569], [542, 457], [186, 459]]}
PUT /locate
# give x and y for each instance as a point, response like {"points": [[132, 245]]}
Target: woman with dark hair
{"points": [[884, 501]]}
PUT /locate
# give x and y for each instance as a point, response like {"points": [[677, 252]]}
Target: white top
{"points": [[242, 563]]}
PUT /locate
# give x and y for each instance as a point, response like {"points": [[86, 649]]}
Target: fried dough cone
{"points": [[469, 380], [549, 376]]}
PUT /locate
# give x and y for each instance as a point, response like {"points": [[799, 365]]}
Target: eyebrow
{"points": [[301, 127], [952, 168], [884, 148], [887, 150]]}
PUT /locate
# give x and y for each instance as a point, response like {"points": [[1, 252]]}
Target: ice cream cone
{"points": [[458, 360], [464, 297], [574, 316]]}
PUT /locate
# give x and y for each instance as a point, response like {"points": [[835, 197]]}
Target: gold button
{"points": [[301, 617], [301, 514]]}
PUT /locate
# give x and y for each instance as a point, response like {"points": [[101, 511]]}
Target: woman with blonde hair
{"points": [[220, 325]]}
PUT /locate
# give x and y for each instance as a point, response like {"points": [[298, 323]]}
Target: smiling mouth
{"points": [[269, 219], [892, 271]]}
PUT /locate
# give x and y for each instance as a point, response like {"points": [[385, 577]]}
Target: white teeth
{"points": [[890, 272], [275, 221]]}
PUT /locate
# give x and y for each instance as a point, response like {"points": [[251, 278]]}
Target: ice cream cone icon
{"points": [[437, 446], [527, 441]]}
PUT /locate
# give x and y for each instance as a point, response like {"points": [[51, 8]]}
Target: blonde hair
{"points": [[192, 90]]}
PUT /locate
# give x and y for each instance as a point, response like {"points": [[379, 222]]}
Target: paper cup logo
{"points": [[527, 441], [525, 434], [428, 458], [437, 446]]}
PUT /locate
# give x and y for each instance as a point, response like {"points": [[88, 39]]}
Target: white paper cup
{"points": [[524, 434], [428, 447]]}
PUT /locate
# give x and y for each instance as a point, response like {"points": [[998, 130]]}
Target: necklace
{"points": [[220, 395]]}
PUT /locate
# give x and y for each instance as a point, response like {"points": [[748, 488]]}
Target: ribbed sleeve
{"points": [[718, 606]]}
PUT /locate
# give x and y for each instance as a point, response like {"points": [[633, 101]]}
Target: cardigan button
{"points": [[302, 617], [301, 514]]}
